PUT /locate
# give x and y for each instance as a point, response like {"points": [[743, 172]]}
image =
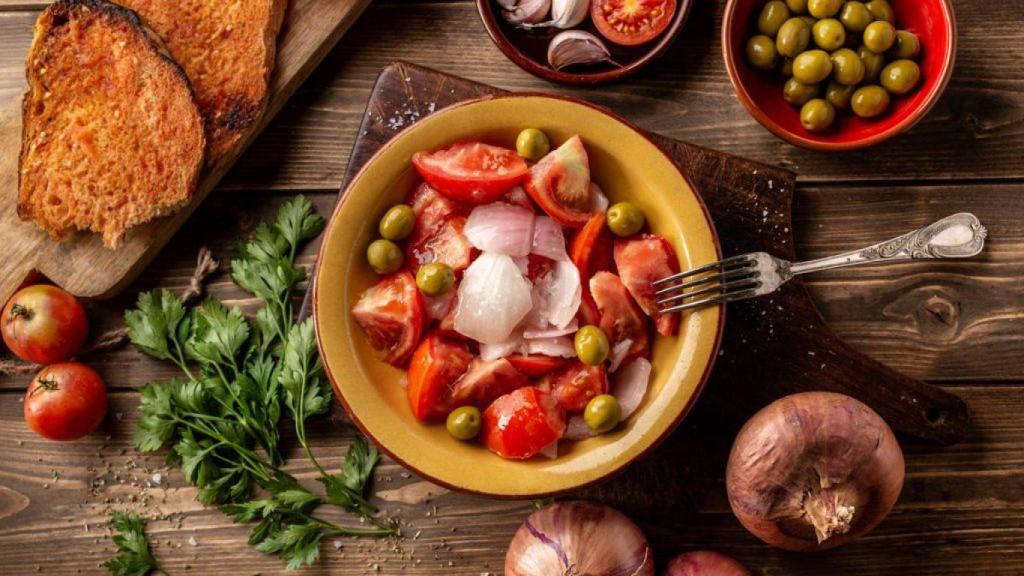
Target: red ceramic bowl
{"points": [[761, 91]]}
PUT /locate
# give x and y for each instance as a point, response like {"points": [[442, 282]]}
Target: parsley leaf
{"points": [[134, 558]]}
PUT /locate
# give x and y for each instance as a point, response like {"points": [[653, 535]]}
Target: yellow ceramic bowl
{"points": [[628, 166]]}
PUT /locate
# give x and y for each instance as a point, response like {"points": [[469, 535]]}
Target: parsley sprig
{"points": [[134, 557], [222, 418]]}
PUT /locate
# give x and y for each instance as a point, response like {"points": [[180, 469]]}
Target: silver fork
{"points": [[759, 273]]}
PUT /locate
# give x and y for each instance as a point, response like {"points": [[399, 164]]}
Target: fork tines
{"points": [[731, 279]]}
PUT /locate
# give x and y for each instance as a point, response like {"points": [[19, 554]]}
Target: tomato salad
{"points": [[520, 303]]}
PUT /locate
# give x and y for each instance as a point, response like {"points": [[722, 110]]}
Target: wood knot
{"points": [[939, 317]]}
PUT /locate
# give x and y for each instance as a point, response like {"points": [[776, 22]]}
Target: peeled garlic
{"points": [[577, 47], [525, 11], [565, 14]]}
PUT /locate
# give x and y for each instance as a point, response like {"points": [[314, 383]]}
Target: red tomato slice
{"points": [[620, 318], [437, 363], [432, 210], [536, 364], [632, 22], [574, 385], [484, 382], [642, 260], [560, 184], [591, 252], [448, 245], [471, 172], [520, 424], [391, 312]]}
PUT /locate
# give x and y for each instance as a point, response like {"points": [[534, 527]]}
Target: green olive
{"points": [[873, 64], [907, 45], [793, 38], [435, 278], [464, 423], [879, 36], [901, 76], [823, 8], [397, 222], [625, 219], [773, 15], [847, 67], [839, 95], [817, 115], [797, 6], [761, 52], [881, 10], [829, 34], [591, 345], [812, 66], [870, 101], [384, 256], [855, 16], [602, 413], [787, 67], [532, 144], [797, 93]]}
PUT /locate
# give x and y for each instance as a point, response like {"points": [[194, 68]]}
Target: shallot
{"points": [[813, 471], [500, 228], [705, 563], [578, 538], [493, 298]]}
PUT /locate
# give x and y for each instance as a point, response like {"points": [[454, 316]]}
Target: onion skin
{"points": [[814, 471], [578, 539], [705, 563]]}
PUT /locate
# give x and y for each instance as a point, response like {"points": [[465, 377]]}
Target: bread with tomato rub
{"points": [[228, 49], [111, 135]]}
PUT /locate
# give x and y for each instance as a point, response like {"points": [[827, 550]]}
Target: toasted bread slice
{"points": [[112, 136], [228, 49]]}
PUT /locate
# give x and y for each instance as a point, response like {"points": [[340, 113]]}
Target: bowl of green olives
{"points": [[837, 75]]}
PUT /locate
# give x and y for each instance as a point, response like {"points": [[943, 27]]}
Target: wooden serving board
{"points": [[81, 264]]}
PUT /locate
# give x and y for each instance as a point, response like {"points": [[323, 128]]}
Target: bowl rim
{"points": [[691, 402], [731, 65], [486, 10]]}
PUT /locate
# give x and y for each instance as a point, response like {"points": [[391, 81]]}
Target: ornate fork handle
{"points": [[957, 236]]}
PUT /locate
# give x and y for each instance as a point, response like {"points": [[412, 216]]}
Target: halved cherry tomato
{"points": [[520, 424], [391, 312], [621, 318], [44, 324], [576, 384], [560, 184], [436, 365], [632, 22], [641, 260], [591, 252], [448, 245], [471, 172], [536, 364], [65, 401], [484, 382]]}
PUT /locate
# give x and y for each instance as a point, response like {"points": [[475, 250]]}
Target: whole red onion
{"points": [[813, 471], [705, 563], [578, 539]]}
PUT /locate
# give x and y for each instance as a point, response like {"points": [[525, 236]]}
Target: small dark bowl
{"points": [[761, 92], [529, 48]]}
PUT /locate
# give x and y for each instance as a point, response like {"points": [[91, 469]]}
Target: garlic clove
{"points": [[525, 11], [565, 14], [577, 47]]}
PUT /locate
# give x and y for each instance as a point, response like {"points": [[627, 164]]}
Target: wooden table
{"points": [[957, 324]]}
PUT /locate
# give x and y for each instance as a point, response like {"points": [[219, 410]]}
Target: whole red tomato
{"points": [[65, 401], [44, 324]]}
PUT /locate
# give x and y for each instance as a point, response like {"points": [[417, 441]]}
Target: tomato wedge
{"points": [[520, 424], [591, 252], [484, 382], [448, 245], [471, 172], [620, 318], [392, 313], [641, 260], [632, 22], [432, 210], [437, 363], [574, 385], [560, 184], [536, 364]]}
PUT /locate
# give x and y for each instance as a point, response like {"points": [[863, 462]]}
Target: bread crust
{"points": [[111, 134]]}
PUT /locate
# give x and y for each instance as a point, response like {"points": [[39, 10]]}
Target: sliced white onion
{"points": [[560, 293], [548, 239], [494, 297], [557, 347], [491, 352], [501, 228], [618, 354], [598, 201], [523, 263], [631, 385], [551, 331], [550, 451], [439, 306], [577, 429]]}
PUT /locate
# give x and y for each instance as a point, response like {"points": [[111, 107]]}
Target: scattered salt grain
{"points": [[192, 541]]}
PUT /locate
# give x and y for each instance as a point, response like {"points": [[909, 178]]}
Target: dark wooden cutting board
{"points": [[772, 347]]}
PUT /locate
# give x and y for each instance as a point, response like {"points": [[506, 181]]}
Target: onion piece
{"points": [[577, 429], [548, 239], [579, 538], [439, 306], [618, 354], [560, 294], [598, 201], [551, 332], [705, 563], [500, 228], [557, 347], [489, 352], [493, 298], [631, 385], [550, 451]]}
